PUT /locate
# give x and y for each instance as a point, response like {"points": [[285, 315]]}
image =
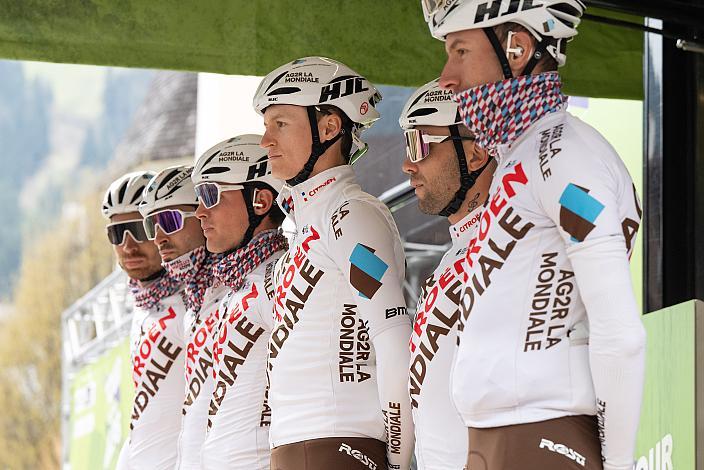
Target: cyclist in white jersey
{"points": [[240, 218], [169, 208], [550, 365], [338, 354], [451, 177], [156, 338]]}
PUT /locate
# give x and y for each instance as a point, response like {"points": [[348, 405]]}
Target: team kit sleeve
{"points": [[582, 195], [367, 249]]}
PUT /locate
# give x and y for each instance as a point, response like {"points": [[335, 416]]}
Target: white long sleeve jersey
{"points": [[338, 291], [200, 381], [157, 350], [441, 436], [550, 326], [239, 413]]}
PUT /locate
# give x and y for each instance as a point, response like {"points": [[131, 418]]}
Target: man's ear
{"points": [[520, 47], [329, 126], [263, 200], [476, 156]]}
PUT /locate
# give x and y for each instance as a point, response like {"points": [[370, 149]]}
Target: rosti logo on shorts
{"points": [[564, 450], [364, 459], [366, 270]]}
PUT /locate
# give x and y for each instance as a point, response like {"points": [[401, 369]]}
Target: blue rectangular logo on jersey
{"points": [[366, 270], [581, 203], [578, 212]]}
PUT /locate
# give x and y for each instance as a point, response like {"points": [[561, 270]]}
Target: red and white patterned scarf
{"points": [[234, 267], [194, 270], [499, 113], [150, 294]]}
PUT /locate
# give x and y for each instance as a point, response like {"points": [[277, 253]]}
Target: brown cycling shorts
{"points": [[335, 453], [565, 443]]}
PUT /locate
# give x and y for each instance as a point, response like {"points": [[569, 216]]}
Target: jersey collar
{"points": [[319, 187], [466, 228]]}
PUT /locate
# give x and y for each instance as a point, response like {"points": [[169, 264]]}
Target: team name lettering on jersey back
{"points": [[495, 256], [355, 349], [550, 305], [298, 279], [199, 357], [232, 345], [147, 370]]}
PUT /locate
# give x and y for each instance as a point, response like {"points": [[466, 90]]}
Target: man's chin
{"points": [[428, 208], [219, 246], [140, 273]]}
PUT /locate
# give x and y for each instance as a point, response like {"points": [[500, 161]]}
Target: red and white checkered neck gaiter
{"points": [[234, 267], [149, 295], [194, 270], [499, 113]]}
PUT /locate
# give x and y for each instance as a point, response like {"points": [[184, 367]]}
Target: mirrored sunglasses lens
{"points": [[116, 233], [169, 221], [149, 228], [414, 146], [207, 194]]}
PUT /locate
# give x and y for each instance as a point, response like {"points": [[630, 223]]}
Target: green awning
{"points": [[387, 40]]}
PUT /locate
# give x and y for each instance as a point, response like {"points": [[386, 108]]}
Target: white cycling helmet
{"points": [[125, 193], [316, 81], [550, 21], [430, 105], [239, 161], [171, 186]]}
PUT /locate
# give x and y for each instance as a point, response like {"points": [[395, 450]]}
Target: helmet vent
{"points": [[287, 90], [121, 192], [216, 170], [423, 112], [137, 194]]}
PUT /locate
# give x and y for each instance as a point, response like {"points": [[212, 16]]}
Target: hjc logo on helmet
{"points": [[258, 170], [490, 10], [334, 90]]}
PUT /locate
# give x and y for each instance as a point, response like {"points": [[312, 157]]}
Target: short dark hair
{"points": [[547, 63], [347, 125]]}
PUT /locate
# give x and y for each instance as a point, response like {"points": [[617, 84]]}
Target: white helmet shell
{"points": [[236, 161], [125, 193], [172, 186], [313, 81], [556, 19], [430, 105]]}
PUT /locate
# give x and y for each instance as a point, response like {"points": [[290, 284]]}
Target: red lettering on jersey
{"points": [[170, 315], [445, 278], [250, 296], [518, 176], [312, 237], [497, 203]]}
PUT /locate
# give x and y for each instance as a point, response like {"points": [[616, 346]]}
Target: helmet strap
{"points": [[467, 178], [540, 49], [499, 50], [249, 194], [317, 149]]}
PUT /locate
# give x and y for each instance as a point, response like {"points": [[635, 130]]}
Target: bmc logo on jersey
{"points": [[345, 86], [492, 9]]}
